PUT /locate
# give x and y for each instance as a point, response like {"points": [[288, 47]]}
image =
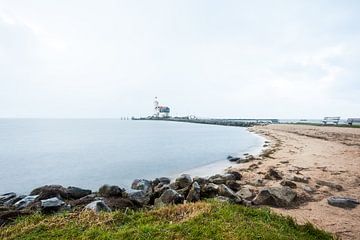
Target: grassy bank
{"points": [[202, 220]]}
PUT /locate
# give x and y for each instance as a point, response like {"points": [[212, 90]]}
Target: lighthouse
{"points": [[160, 111]]}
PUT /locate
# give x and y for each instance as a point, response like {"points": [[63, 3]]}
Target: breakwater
{"points": [[215, 121]]}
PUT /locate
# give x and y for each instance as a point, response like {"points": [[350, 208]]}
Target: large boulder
{"points": [[139, 196], [51, 205], [170, 196], [246, 192], [163, 180], [98, 206], [159, 189], [116, 203], [210, 190], [111, 191], [12, 201], [226, 192], [275, 196], [142, 184], [343, 202], [26, 201], [77, 193], [222, 178], [49, 191], [6, 197], [183, 181], [194, 193]]}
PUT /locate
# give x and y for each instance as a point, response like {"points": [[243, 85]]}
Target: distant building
{"points": [[160, 111]]}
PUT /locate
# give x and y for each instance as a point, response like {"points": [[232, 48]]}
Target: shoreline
{"points": [[315, 155]]}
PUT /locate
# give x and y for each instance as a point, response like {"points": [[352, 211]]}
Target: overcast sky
{"points": [[278, 59]]}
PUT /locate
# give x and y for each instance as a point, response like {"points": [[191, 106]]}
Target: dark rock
{"points": [[233, 185], [272, 174], [236, 174], [159, 189], [210, 190], [82, 202], [194, 193], [233, 159], [116, 203], [26, 201], [12, 201], [139, 196], [111, 191], [221, 179], [77, 193], [170, 196], [243, 160], [6, 197], [330, 185], [49, 191], [142, 184], [183, 181], [226, 192], [288, 183], [299, 178], [51, 205], [201, 181], [284, 161], [275, 196], [343, 202], [98, 206], [163, 180]]}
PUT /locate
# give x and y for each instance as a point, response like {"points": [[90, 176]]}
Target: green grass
{"points": [[203, 220]]}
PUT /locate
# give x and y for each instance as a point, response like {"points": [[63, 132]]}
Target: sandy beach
{"points": [[319, 153]]}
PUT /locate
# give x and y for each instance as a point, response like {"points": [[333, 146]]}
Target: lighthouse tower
{"points": [[156, 107]]}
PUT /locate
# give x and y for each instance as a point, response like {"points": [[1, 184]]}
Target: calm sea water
{"points": [[88, 153]]}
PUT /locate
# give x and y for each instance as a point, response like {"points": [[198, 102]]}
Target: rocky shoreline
{"points": [[252, 182]]}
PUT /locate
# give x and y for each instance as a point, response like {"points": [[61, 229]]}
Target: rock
{"points": [[77, 193], [246, 193], [201, 181], [82, 202], [275, 196], [6, 197], [236, 174], [284, 161], [243, 160], [98, 206], [343, 202], [170, 196], [299, 178], [210, 190], [272, 174], [111, 191], [139, 196], [221, 179], [330, 185], [23, 203], [159, 189], [288, 183], [163, 180], [308, 189], [233, 185], [116, 203], [253, 166], [49, 191], [142, 184], [183, 181], [51, 205], [12, 201], [233, 159], [194, 193], [226, 192]]}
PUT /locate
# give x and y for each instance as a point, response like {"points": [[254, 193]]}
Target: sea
{"points": [[88, 153]]}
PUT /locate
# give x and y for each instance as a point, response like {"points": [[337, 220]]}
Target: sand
{"points": [[321, 153]]}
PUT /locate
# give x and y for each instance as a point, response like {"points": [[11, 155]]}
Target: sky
{"points": [[235, 59]]}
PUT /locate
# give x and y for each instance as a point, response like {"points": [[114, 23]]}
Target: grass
{"points": [[202, 220]]}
